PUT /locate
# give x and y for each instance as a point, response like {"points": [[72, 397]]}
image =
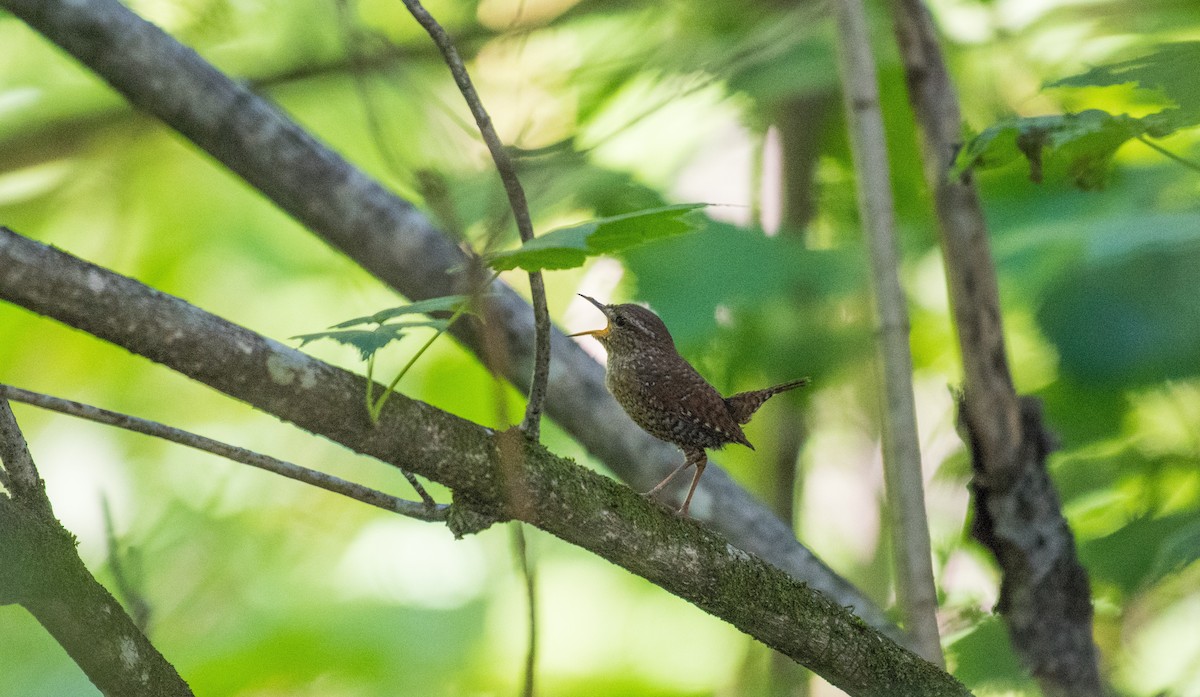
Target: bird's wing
{"points": [[687, 397]]}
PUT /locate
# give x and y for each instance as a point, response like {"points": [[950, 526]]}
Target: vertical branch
{"points": [[1045, 597], [529, 576], [901, 452], [531, 425]]}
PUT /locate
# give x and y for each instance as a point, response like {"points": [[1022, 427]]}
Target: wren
{"points": [[665, 395]]}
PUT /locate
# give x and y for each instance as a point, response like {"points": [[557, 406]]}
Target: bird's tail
{"points": [[743, 404]]}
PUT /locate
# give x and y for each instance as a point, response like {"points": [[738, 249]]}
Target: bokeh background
{"points": [[260, 586]]}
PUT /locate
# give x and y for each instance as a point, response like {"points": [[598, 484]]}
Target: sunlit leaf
{"points": [[1083, 143], [445, 303], [1169, 71], [569, 247], [1139, 551]]}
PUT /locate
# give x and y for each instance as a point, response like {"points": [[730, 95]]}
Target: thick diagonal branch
{"points": [[564, 499], [389, 238]]}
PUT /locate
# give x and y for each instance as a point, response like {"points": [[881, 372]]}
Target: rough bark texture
{"points": [[391, 239], [1045, 596], [494, 475], [40, 570]]}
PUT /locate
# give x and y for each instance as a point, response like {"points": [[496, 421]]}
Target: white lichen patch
{"points": [[286, 369], [129, 652], [735, 553], [95, 281]]}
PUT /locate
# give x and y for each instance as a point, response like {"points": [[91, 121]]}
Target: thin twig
{"points": [[916, 592], [529, 576], [516, 199], [1168, 154], [137, 606], [321, 480]]}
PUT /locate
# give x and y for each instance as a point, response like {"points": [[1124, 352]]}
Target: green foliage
{"points": [[1081, 146], [1143, 551], [984, 661], [569, 247], [370, 341], [1128, 318], [1169, 72]]}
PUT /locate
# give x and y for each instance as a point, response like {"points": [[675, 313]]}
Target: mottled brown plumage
{"points": [[665, 395]]}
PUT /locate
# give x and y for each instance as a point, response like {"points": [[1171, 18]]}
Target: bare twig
{"points": [[138, 606], [901, 449], [337, 485], [516, 199], [1179, 159], [529, 576]]}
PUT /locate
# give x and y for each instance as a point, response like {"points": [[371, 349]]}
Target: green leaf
{"points": [[445, 303], [369, 341], [1142, 551], [1082, 144], [1168, 71], [984, 659], [1178, 550], [569, 247]]}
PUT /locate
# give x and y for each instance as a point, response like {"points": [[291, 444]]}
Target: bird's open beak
{"points": [[598, 333]]}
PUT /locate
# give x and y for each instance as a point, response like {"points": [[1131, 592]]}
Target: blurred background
{"points": [[259, 586]]}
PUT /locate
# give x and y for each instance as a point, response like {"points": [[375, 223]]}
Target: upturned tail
{"points": [[743, 404]]}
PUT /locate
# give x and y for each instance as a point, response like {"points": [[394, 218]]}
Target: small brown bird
{"points": [[665, 395]]}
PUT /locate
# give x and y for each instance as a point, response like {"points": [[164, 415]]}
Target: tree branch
{"points": [[557, 496], [389, 238], [22, 478], [1045, 597], [520, 208], [321, 480], [40, 569], [901, 448]]}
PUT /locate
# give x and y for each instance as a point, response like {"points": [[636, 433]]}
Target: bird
{"points": [[665, 395]]}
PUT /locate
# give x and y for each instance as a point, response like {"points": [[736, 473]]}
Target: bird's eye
{"points": [[619, 320]]}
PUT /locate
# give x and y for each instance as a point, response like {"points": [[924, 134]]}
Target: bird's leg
{"points": [[687, 462], [700, 465], [691, 457]]}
